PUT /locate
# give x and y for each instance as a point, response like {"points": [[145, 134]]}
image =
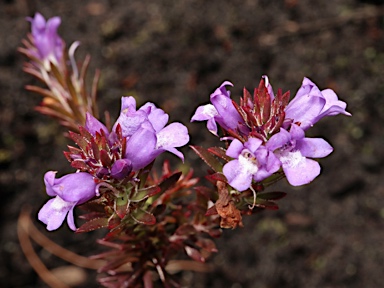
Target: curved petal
{"points": [[93, 125], [141, 147], [333, 106], [278, 140], [296, 132], [71, 219], [237, 175], [253, 144], [228, 117], [75, 187], [234, 149], [53, 213], [303, 173], [204, 112], [128, 102], [49, 181], [314, 147], [156, 116], [173, 135], [306, 105], [176, 152], [130, 121]]}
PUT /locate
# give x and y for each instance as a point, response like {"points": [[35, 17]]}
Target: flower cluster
{"points": [[111, 159], [150, 218], [267, 131]]}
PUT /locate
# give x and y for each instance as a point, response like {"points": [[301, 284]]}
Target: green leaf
{"points": [[143, 217], [145, 193], [208, 158]]}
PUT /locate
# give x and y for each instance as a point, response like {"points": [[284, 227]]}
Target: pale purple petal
{"points": [[53, 212], [93, 125], [173, 135], [48, 43], [234, 149], [253, 144], [333, 106], [130, 121], [49, 181], [228, 117], [314, 147], [156, 116], [128, 102], [75, 187], [141, 147], [121, 168], [204, 112], [71, 219], [174, 151], [302, 172], [296, 132], [278, 140], [238, 176], [306, 105]]}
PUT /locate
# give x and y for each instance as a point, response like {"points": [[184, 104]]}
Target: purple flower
{"points": [[146, 144], [221, 111], [293, 151], [147, 135], [252, 162], [121, 168], [48, 43], [69, 191], [310, 105], [93, 125]]}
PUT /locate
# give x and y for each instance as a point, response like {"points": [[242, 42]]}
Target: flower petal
{"points": [[314, 147], [93, 125], [75, 187], [53, 212], [333, 106], [278, 140], [237, 175], [298, 169], [173, 135], [234, 149], [156, 116], [141, 146], [306, 105], [49, 181]]}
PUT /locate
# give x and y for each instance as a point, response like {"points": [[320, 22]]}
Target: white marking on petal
{"points": [[292, 159], [59, 204], [248, 162]]}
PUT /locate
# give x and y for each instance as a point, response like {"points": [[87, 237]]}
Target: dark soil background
{"points": [[175, 53]]}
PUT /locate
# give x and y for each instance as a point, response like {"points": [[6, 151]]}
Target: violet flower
{"points": [[293, 151], [146, 144], [147, 135], [47, 42], [310, 105], [121, 168], [221, 111], [69, 191], [252, 162]]}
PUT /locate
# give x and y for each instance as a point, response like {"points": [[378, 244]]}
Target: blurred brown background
{"points": [[175, 53]]}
